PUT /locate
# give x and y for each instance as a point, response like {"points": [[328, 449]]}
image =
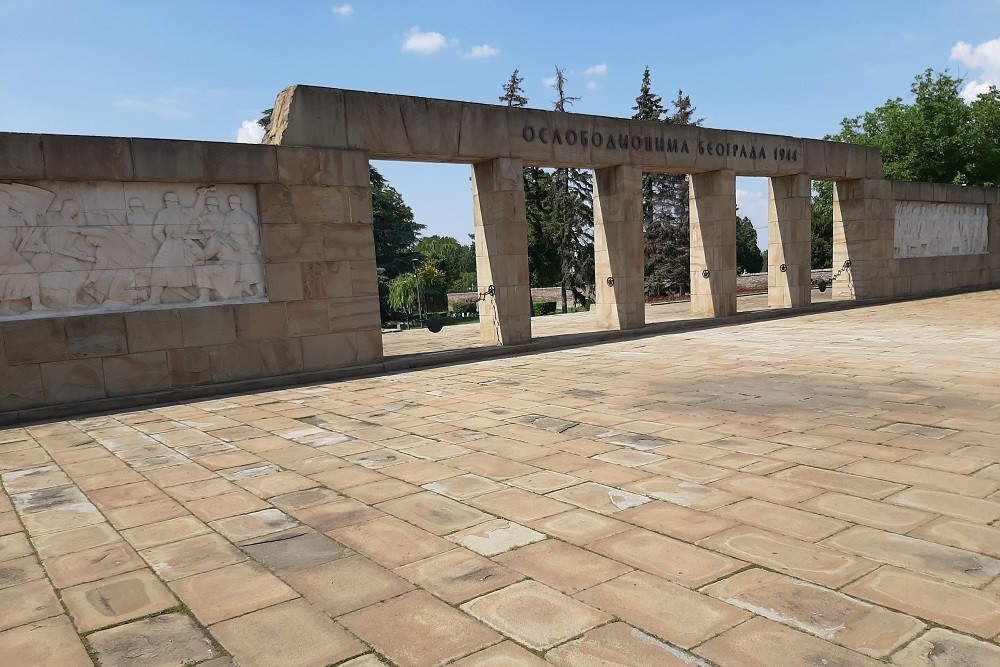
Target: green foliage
{"points": [[404, 293], [570, 201], [467, 282], [450, 256], [935, 138], [265, 117], [539, 308], [822, 225], [513, 94], [432, 286], [665, 207], [395, 229], [544, 266], [465, 308], [748, 255]]}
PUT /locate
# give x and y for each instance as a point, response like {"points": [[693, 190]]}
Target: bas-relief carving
{"points": [[125, 246], [924, 229]]}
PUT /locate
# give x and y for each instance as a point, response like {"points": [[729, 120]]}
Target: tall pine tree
{"points": [[572, 203], [544, 268], [665, 206]]}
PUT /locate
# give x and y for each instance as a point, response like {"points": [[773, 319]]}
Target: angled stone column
{"points": [[618, 246], [789, 244], [713, 243], [863, 230], [502, 251]]}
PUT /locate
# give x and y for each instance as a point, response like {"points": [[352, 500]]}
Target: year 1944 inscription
{"points": [[636, 142]]}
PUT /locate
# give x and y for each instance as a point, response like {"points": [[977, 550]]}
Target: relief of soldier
{"points": [[61, 255]]}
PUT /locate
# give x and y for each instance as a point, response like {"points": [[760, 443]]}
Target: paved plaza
{"points": [[814, 490]]}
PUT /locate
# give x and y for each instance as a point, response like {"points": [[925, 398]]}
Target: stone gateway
{"points": [[134, 270]]}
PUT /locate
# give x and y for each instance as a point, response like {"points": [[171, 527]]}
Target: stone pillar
{"points": [[618, 248], [863, 229], [713, 243], [789, 234], [502, 251], [319, 253]]}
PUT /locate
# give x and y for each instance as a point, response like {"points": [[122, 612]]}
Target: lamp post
{"points": [[420, 308]]}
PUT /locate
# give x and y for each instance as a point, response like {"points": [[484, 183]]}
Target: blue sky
{"points": [[190, 69]]}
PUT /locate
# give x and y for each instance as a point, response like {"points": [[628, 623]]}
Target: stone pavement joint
{"points": [[822, 489]]}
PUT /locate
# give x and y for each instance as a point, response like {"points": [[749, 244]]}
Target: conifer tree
{"points": [[572, 204], [665, 206], [513, 94], [544, 267]]}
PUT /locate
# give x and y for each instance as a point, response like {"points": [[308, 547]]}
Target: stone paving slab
{"points": [[809, 489]]}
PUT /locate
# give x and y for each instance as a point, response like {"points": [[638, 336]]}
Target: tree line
{"points": [[937, 137]]}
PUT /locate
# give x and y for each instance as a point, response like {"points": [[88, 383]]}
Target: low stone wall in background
{"points": [[747, 282]]}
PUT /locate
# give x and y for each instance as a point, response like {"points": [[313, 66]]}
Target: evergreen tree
{"points": [[544, 268], [665, 205], [936, 138], [572, 204], [748, 255], [513, 94]]}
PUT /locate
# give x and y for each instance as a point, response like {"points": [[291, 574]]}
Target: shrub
{"points": [[539, 308], [466, 308]]}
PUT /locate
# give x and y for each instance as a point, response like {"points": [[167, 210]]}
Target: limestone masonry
{"points": [[140, 269]]}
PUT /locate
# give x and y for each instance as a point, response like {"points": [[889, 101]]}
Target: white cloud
{"points": [[169, 107], [249, 133], [482, 51], [342, 10], [550, 81], [591, 85], [984, 57], [424, 42], [596, 70]]}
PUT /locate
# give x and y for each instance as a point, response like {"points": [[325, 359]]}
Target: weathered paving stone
{"points": [[464, 486], [827, 614], [391, 542], [903, 428], [253, 524], [267, 637], [346, 584], [562, 566], [150, 642], [247, 586], [100, 604], [417, 629], [294, 550], [664, 609], [962, 534], [821, 565], [949, 563], [458, 575], [599, 498], [535, 615], [943, 648], [666, 557], [958, 607], [683, 493], [763, 643], [434, 513], [620, 644], [504, 654], [28, 602], [52, 641], [495, 537], [867, 512]]}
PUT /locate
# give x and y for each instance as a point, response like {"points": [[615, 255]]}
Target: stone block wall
{"points": [[863, 232], [919, 275], [321, 311]]}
